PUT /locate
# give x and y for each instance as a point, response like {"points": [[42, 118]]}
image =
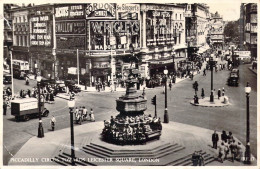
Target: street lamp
{"points": [[71, 105], [40, 128], [166, 117], [173, 57], [247, 152], [212, 64]]}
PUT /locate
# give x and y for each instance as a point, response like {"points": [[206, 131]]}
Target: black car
{"points": [[7, 79]]}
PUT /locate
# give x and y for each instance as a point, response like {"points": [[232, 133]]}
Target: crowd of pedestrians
{"points": [[228, 147]]}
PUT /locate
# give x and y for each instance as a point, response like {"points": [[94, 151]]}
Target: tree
{"points": [[231, 31]]}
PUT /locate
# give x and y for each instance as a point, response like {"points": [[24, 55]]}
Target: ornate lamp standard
{"points": [[247, 152], [71, 105], [40, 128], [212, 64], [166, 116]]}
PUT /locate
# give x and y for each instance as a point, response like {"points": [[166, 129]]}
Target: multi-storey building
{"points": [[96, 40], [248, 18], [163, 35], [197, 17], [217, 31]]}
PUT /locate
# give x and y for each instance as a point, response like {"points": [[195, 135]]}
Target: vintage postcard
{"points": [[129, 84]]}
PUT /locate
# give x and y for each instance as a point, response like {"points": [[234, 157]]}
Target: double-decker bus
{"points": [[20, 68]]}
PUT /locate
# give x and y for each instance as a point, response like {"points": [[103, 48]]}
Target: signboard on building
{"points": [[71, 42], [128, 11], [159, 26], [69, 11], [72, 70], [71, 27], [100, 10], [41, 31], [115, 34], [243, 53]]}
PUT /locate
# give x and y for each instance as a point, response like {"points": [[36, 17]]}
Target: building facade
{"points": [[97, 40], [217, 31], [249, 19]]}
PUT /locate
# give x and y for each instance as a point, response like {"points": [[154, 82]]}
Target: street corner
{"points": [[205, 102]]}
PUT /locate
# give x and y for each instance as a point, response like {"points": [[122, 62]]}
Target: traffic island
{"points": [[205, 102]]}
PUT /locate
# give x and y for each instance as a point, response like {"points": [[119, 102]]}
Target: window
{"points": [[17, 40], [180, 16], [176, 16], [25, 40], [25, 19]]}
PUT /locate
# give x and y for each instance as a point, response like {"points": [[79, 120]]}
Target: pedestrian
{"points": [[233, 149], [85, 113], [230, 137], [21, 93], [221, 152], [51, 97], [202, 93], [215, 139], [76, 112], [223, 136], [204, 72], [92, 117], [80, 111], [174, 79], [29, 92], [219, 93], [195, 158], [223, 92], [201, 159], [47, 97], [53, 121], [239, 153], [226, 149], [170, 85], [4, 106]]}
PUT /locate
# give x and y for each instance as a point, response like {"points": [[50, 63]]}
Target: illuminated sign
{"points": [[100, 10], [115, 34], [128, 11], [69, 12], [41, 31], [70, 27]]}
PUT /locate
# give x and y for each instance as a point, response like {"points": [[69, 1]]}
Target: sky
{"points": [[229, 11]]}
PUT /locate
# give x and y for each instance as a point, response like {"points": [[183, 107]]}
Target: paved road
{"points": [[230, 118]]}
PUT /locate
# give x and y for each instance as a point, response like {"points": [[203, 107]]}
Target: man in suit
{"points": [[215, 139]]}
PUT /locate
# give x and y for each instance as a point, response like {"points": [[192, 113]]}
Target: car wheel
{"points": [[26, 118]]}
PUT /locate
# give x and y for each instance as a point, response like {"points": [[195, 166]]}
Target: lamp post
{"points": [[247, 152], [166, 116], [40, 128], [211, 63], [71, 104], [173, 57]]}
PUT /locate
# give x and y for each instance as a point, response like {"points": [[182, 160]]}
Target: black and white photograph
{"points": [[121, 83]]}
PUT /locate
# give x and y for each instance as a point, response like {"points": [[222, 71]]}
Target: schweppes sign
{"points": [[101, 10]]}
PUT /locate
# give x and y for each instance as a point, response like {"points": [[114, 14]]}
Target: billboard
{"points": [[41, 31], [114, 34], [69, 11]]}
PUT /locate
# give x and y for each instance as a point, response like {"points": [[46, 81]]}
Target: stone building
{"points": [[248, 19]]}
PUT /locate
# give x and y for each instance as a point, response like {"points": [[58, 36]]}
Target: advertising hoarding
{"points": [[115, 34], [41, 31]]}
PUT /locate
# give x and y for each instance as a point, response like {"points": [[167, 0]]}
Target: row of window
{"points": [[20, 40], [20, 19]]}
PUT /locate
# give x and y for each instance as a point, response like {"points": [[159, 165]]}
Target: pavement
{"points": [[205, 102], [40, 151], [252, 70]]}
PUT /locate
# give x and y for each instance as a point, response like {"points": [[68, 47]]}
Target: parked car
{"points": [[7, 79]]}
